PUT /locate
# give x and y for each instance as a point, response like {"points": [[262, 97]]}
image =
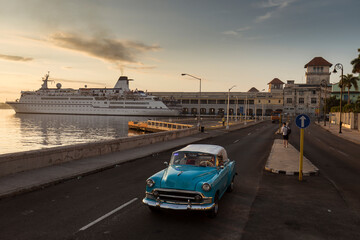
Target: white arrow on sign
{"points": [[302, 118]]}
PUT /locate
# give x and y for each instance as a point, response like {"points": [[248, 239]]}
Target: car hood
{"points": [[185, 177]]}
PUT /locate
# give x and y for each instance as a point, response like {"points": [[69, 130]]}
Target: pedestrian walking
{"points": [[285, 132], [223, 121]]}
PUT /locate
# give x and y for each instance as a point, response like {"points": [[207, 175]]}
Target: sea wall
{"points": [[23, 161]]}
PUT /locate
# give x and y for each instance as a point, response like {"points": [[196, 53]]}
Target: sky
{"points": [[246, 43]]}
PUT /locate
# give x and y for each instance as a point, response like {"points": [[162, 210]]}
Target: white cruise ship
{"points": [[119, 100]]}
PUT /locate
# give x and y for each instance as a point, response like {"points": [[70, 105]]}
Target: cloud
{"points": [[115, 51], [236, 32], [276, 3], [15, 58], [264, 17], [231, 32]]}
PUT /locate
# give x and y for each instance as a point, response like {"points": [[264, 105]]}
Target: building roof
{"points": [[276, 81], [318, 61], [253, 90]]}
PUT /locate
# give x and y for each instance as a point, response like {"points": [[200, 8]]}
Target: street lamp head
{"points": [[183, 74], [334, 71]]}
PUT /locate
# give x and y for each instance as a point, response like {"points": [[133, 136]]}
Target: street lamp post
{"points": [[323, 83], [245, 109], [228, 104], [236, 109], [319, 105], [340, 66], [199, 101]]}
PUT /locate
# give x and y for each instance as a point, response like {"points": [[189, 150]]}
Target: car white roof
{"points": [[205, 148]]}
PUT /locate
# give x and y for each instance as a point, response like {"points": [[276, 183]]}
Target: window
{"points": [[313, 100], [313, 92], [289, 100], [301, 100], [212, 101], [185, 101], [203, 101], [251, 101], [221, 101], [194, 101]]}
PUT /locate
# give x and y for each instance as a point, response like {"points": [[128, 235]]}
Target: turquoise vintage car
{"points": [[195, 179]]}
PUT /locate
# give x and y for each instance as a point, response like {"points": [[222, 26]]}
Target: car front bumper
{"points": [[173, 206]]}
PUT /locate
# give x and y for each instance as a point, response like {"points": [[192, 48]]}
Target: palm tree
{"points": [[350, 80], [356, 64]]}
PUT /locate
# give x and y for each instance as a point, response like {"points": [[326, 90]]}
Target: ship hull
{"points": [[88, 110]]}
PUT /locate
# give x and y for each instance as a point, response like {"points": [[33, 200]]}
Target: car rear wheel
{"points": [[231, 186]]}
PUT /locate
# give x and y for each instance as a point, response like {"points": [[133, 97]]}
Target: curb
{"points": [[314, 173]]}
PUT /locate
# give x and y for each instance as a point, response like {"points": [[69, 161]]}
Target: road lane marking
{"points": [[249, 134], [107, 215], [236, 141], [346, 155]]}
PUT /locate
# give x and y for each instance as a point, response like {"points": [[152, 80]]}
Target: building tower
{"points": [[317, 69], [276, 85]]}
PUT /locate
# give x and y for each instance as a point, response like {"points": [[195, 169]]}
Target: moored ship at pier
{"points": [[119, 100]]}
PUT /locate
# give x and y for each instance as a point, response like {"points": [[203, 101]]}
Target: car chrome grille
{"points": [[178, 196]]}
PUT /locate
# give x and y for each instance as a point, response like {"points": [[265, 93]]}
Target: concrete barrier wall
{"points": [[23, 161], [349, 120]]}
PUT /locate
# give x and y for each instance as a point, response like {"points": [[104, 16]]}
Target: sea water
{"points": [[23, 132]]}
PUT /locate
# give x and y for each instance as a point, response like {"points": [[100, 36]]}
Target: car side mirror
{"points": [[166, 163]]}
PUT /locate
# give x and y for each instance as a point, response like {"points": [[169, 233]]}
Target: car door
{"points": [[223, 172]]}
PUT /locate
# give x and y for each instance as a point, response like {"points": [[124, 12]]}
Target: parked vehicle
{"points": [[196, 178], [275, 116]]}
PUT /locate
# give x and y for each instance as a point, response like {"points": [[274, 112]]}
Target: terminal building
{"points": [[251, 103], [290, 97]]}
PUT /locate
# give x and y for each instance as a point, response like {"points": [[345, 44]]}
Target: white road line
{"points": [[107, 215], [249, 134], [236, 141], [346, 155]]}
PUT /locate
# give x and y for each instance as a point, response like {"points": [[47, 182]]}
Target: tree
{"points": [[348, 81], [331, 103], [356, 63]]}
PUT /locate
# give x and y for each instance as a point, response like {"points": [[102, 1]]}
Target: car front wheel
{"points": [[214, 211]]}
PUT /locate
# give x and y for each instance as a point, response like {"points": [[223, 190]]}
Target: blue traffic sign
{"points": [[302, 121]]}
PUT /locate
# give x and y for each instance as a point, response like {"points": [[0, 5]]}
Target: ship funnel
{"points": [[123, 83]]}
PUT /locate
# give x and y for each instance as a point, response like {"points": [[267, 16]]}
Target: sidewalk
{"points": [[37, 178], [286, 161], [348, 134]]}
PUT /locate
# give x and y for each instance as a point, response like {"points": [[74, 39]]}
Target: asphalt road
{"points": [[60, 211], [338, 160], [320, 207]]}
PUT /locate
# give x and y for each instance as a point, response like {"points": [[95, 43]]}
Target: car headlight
{"points": [[206, 187], [150, 183]]}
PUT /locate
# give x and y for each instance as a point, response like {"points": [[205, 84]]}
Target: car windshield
{"points": [[193, 158]]}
